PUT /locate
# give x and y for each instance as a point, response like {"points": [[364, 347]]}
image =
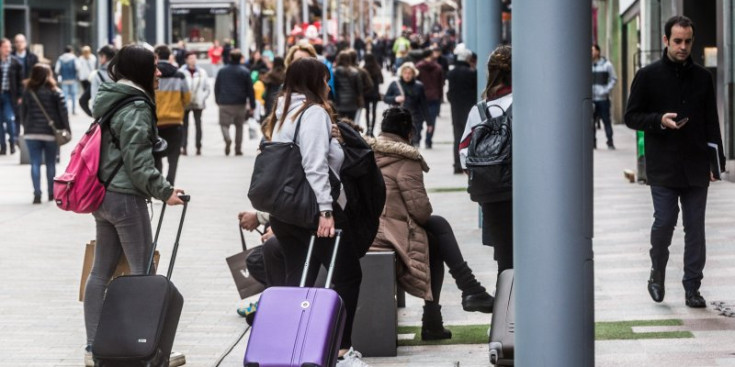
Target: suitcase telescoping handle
{"points": [[327, 284], [185, 199]]}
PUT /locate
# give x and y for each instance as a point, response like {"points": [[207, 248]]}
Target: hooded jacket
{"points": [[603, 79], [172, 95], [407, 209], [134, 125]]}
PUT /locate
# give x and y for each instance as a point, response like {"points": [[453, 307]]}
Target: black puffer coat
{"points": [[348, 85], [34, 121], [415, 98]]}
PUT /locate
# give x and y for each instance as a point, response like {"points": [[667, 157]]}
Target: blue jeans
{"points": [[666, 212], [431, 120], [48, 149], [70, 92], [7, 124], [602, 111]]}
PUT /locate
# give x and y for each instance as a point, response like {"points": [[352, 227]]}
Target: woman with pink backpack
{"points": [[126, 165]]}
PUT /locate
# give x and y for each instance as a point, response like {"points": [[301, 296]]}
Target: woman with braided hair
{"points": [[497, 208]]}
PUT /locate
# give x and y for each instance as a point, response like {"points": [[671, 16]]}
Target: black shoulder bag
{"points": [[279, 186]]}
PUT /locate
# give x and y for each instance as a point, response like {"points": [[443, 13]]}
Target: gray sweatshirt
{"points": [[319, 152]]}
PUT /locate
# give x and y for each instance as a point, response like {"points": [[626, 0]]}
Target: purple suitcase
{"points": [[297, 326]]}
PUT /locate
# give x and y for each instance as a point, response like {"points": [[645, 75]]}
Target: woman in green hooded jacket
{"points": [[123, 223]]}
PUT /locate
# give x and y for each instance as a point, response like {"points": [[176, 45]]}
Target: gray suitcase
{"points": [[502, 331]]}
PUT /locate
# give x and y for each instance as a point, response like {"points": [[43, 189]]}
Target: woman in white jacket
{"points": [[198, 82], [304, 96], [497, 208]]}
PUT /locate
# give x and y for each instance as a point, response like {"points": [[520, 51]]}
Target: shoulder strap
{"points": [[298, 124], [106, 119], [482, 109], [38, 102]]}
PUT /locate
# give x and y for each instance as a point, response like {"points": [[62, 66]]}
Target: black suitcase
{"points": [[140, 315], [502, 332]]}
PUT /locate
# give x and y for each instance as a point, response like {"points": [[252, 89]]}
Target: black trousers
{"points": [[666, 212], [370, 115], [443, 249], [198, 126], [347, 276], [172, 135], [497, 231]]}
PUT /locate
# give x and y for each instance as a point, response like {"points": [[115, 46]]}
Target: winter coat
{"points": [[68, 75], [407, 208], [377, 79], [603, 79], [198, 84], [675, 158], [432, 76], [134, 125], [233, 86], [172, 95], [273, 82], [462, 91], [349, 90], [15, 81], [26, 62], [415, 98], [34, 121]]}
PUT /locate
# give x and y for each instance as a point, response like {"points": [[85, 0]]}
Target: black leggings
{"points": [[347, 277], [443, 249], [497, 231], [370, 118]]}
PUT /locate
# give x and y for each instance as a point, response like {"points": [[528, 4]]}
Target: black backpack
{"points": [[490, 155]]}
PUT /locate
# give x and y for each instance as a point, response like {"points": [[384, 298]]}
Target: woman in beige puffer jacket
{"points": [[422, 241]]}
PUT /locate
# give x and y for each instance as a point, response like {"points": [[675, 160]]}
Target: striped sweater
{"points": [[172, 95]]}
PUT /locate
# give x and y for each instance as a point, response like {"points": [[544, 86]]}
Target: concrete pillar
{"points": [[469, 24], [361, 13], [280, 36], [552, 177], [160, 22], [489, 24], [304, 11], [352, 23], [244, 26]]}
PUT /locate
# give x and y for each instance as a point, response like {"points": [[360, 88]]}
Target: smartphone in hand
{"points": [[681, 122]]}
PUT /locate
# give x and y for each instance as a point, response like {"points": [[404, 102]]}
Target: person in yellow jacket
{"points": [[172, 97]]}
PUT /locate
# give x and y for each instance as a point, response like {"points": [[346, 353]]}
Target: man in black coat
{"points": [[462, 95], [11, 74], [27, 58], [673, 102], [233, 89]]}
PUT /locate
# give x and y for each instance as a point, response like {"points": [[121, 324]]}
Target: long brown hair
{"points": [[305, 76], [40, 76], [499, 71]]}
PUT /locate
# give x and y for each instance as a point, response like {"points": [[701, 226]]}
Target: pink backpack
{"points": [[78, 189]]}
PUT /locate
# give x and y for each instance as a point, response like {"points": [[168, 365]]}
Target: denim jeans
{"points": [[70, 93], [602, 111], [431, 120], [123, 226], [666, 212], [48, 149], [7, 124]]}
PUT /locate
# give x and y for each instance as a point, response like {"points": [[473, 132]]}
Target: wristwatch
{"points": [[326, 214]]}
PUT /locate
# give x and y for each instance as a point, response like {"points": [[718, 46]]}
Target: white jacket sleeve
{"points": [[473, 119], [313, 141]]}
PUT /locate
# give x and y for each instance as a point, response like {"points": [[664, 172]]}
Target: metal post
{"points": [[338, 10], [281, 43], [244, 25], [489, 24], [361, 13], [102, 9], [552, 176], [304, 12], [160, 22], [469, 24], [352, 23], [325, 22]]}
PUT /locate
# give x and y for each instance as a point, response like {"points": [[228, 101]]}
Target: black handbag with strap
{"points": [[279, 187]]}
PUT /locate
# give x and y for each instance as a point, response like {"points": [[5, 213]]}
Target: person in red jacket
{"points": [[432, 76]]}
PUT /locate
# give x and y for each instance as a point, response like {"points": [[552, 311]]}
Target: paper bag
{"points": [[246, 284], [122, 267]]}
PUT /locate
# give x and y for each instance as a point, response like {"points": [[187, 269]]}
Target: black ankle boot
{"points": [[656, 284], [432, 324], [474, 295], [36, 199]]}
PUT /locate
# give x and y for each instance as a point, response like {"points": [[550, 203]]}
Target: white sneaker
{"points": [[351, 359], [176, 359]]}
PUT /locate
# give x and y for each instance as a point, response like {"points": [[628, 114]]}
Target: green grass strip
{"points": [[447, 189], [618, 330]]}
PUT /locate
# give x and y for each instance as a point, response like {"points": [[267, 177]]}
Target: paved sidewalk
{"points": [[42, 321]]}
